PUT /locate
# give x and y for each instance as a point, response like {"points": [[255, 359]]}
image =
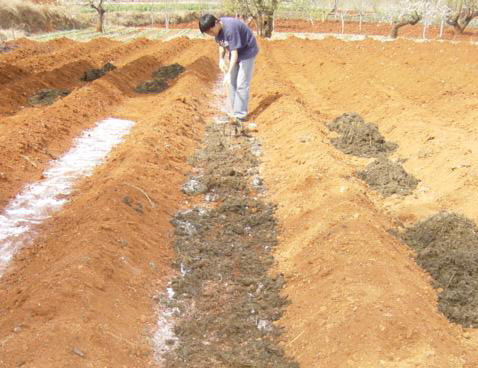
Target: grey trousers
{"points": [[239, 88]]}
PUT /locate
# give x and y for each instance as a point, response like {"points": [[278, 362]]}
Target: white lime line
{"points": [[164, 338], [40, 200], [356, 37]]}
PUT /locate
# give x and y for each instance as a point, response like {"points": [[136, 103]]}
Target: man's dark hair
{"points": [[206, 22]]}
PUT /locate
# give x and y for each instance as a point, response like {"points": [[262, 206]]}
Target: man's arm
{"points": [[232, 63], [233, 60], [222, 61], [222, 52]]}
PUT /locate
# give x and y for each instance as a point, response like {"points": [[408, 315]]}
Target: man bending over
{"points": [[234, 36]]}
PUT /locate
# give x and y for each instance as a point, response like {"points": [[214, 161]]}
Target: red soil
{"points": [[88, 281], [357, 297]]}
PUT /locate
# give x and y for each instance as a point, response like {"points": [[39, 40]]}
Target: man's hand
{"points": [[227, 79], [222, 65]]}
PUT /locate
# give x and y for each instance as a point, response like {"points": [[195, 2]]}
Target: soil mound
{"points": [[15, 93], [9, 73], [359, 138], [160, 79], [387, 177], [25, 49], [93, 74], [447, 247], [52, 55], [118, 50], [47, 96], [35, 18], [6, 48]]}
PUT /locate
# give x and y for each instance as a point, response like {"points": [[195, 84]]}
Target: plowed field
{"points": [[86, 288]]}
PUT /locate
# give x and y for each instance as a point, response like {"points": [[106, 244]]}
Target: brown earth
{"points": [[58, 64], [87, 283], [39, 133], [39, 16], [358, 299], [86, 286]]}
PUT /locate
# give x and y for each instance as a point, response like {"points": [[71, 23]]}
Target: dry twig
{"points": [[151, 203], [30, 161]]}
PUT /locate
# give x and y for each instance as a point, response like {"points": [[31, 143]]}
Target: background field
{"points": [[308, 15]]}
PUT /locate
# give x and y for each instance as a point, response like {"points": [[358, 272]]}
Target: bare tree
{"points": [[101, 14], [263, 16], [411, 19], [410, 12], [260, 11], [464, 14]]}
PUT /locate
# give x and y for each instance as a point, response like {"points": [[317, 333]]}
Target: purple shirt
{"points": [[235, 35]]}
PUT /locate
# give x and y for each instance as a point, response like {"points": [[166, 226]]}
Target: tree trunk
{"points": [[268, 26], [414, 19], [453, 21], [101, 14], [259, 26], [469, 16], [462, 19], [101, 19], [264, 25]]}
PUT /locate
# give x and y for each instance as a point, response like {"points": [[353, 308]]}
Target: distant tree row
{"points": [[456, 13], [400, 13]]}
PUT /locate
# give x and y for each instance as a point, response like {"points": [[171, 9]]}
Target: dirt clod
{"points": [[17, 329], [447, 247], [93, 74], [160, 79], [387, 177], [168, 72], [359, 138], [194, 186], [47, 96], [152, 86]]}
